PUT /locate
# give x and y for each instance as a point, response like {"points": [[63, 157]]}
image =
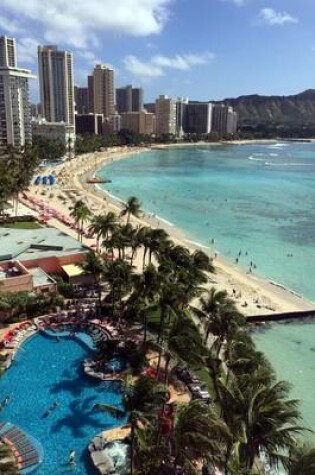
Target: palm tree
{"points": [[198, 434], [260, 417], [301, 460], [94, 265], [143, 237], [215, 307], [103, 225], [144, 297], [118, 275], [202, 261], [7, 463], [142, 401], [132, 207], [80, 213]]}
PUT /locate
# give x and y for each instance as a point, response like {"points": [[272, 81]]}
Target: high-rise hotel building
{"points": [[15, 111], [101, 88], [55, 70], [165, 110], [129, 99]]}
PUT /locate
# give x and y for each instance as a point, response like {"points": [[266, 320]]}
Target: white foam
{"points": [[255, 159], [164, 220], [196, 243]]}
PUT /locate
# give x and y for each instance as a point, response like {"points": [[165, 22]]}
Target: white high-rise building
{"points": [[165, 111], [55, 69], [15, 111]]}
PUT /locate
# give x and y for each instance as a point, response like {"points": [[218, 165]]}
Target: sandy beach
{"points": [[253, 294]]}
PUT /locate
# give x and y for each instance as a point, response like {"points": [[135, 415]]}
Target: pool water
{"points": [[119, 452], [115, 365], [46, 371]]}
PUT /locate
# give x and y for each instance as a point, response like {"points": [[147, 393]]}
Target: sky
{"points": [[201, 49]]}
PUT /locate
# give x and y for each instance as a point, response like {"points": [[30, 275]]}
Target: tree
{"points": [[301, 460], [260, 418], [94, 265], [214, 307], [17, 167], [80, 213], [7, 463], [118, 275], [198, 434], [132, 207]]}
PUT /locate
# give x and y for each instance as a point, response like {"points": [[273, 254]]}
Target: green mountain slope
{"points": [[298, 109]]}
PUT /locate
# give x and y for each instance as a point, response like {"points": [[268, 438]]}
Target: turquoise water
{"points": [[259, 199], [254, 198], [45, 371], [291, 350]]}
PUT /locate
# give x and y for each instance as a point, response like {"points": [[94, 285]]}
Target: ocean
{"points": [[256, 199]]}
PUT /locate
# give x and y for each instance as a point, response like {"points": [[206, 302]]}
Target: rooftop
{"points": [[27, 244]]}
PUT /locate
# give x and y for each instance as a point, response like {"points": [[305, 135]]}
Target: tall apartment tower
{"points": [[198, 118], [55, 70], [103, 90], [15, 110], [181, 105], [91, 94], [129, 99], [81, 97], [165, 110], [224, 119]]}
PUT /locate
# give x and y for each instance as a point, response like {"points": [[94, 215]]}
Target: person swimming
{"points": [[72, 457], [5, 402]]}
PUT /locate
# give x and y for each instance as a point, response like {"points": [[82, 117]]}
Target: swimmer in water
{"points": [[72, 457]]}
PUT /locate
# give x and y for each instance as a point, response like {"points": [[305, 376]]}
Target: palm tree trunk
{"points": [[145, 331], [144, 256], [132, 445]]}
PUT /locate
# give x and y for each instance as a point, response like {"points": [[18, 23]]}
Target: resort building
{"points": [[15, 277], [224, 119], [165, 110], [114, 122], [81, 97], [65, 133], [91, 94], [129, 99], [27, 257], [197, 118], [139, 122], [89, 124], [103, 90], [181, 105], [15, 112], [55, 69]]}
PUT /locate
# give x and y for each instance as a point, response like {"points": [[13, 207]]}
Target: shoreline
{"points": [[253, 294]]}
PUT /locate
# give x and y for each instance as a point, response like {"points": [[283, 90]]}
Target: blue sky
{"points": [[203, 49]]}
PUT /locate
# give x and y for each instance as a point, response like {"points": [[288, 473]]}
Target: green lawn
{"points": [[22, 225]]}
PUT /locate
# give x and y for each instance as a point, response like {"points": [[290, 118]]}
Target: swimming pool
{"points": [[46, 371]]}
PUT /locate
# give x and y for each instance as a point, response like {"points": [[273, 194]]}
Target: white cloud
{"points": [[9, 26], [272, 17], [72, 22], [238, 3], [156, 65], [142, 68], [27, 50]]}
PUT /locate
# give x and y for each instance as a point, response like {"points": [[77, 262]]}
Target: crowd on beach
{"points": [[252, 294]]}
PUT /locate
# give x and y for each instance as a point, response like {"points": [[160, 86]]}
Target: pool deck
{"points": [[118, 433]]}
